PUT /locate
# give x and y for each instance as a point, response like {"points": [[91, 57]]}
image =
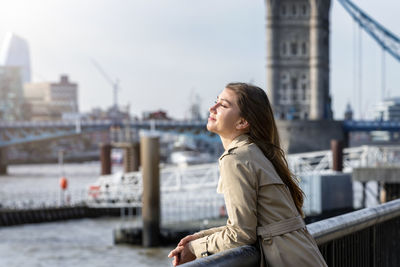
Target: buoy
{"points": [[63, 183]]}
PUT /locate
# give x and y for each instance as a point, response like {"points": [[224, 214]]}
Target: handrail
{"points": [[322, 231], [339, 226], [244, 256]]}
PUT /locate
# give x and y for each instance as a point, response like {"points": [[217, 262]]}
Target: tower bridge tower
{"points": [[298, 58]]}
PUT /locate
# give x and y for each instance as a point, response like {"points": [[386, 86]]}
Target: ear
{"points": [[242, 124]]}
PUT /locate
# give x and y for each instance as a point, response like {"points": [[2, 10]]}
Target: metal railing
{"points": [[42, 199], [125, 190], [367, 237], [363, 156]]}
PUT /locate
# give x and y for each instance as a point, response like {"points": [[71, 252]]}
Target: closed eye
{"points": [[220, 104]]}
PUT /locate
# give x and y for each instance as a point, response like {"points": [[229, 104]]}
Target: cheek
{"points": [[230, 118]]}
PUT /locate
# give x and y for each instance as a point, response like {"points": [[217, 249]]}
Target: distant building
{"points": [[122, 113], [298, 59], [388, 110], [49, 101], [15, 52], [155, 115], [11, 94], [348, 114]]}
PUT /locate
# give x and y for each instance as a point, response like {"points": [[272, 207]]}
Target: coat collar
{"points": [[239, 141]]}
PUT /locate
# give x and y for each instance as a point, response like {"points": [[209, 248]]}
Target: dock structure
{"points": [[387, 177], [105, 158], [150, 156], [3, 160], [9, 217]]}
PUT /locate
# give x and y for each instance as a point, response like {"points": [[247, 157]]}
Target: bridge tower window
{"points": [[284, 49], [283, 10], [293, 82], [304, 48], [293, 48], [304, 93], [304, 9]]}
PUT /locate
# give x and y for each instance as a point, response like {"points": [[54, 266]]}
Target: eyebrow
{"points": [[223, 99]]}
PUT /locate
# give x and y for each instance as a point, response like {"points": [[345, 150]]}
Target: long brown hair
{"points": [[257, 111]]}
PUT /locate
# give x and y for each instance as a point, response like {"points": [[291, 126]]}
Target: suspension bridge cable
{"points": [[360, 69], [355, 85], [383, 69], [386, 39]]}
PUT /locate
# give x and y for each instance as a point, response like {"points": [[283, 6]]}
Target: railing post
{"points": [[392, 191], [337, 155], [151, 190], [105, 159], [364, 194], [3, 160], [128, 158], [136, 156]]}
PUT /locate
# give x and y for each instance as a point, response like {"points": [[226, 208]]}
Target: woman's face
{"points": [[224, 114]]}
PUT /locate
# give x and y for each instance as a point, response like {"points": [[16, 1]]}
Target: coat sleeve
{"points": [[238, 187], [210, 231]]}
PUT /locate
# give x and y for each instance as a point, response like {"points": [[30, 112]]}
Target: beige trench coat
{"points": [[258, 205]]}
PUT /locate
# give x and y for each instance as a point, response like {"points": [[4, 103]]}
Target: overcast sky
{"points": [[163, 52]]}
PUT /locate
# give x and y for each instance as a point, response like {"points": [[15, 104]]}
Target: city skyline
{"points": [[15, 52], [163, 55]]}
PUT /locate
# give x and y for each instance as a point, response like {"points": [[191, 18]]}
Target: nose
{"points": [[213, 108]]}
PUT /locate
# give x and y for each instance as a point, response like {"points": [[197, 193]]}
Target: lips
{"points": [[211, 119]]}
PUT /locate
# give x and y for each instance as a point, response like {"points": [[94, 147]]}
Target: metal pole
{"points": [[128, 158], [337, 155], [3, 160], [136, 156], [364, 195], [105, 158], [61, 162], [151, 190]]}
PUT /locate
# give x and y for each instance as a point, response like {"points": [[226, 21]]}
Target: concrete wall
{"points": [[304, 136]]}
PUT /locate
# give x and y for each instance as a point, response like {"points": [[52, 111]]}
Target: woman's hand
{"points": [[181, 254], [187, 239], [176, 253], [186, 255]]}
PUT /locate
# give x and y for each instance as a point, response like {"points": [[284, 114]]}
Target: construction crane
{"points": [[386, 39], [114, 84]]}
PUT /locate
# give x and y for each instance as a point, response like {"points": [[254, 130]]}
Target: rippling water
{"points": [[85, 242]]}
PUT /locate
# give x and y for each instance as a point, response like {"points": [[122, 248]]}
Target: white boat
{"points": [[119, 189], [184, 152]]}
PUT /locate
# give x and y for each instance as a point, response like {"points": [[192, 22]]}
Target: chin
{"points": [[210, 128]]}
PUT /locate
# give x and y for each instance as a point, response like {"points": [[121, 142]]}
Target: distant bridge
{"points": [[13, 133], [368, 126]]}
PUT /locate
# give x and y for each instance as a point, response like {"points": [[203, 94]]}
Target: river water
{"points": [[84, 242]]}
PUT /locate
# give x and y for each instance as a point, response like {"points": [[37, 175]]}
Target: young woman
{"points": [[263, 200]]}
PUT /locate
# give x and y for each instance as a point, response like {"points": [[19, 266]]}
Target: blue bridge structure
{"points": [[19, 132]]}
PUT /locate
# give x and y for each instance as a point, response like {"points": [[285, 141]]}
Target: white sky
{"points": [[165, 51]]}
